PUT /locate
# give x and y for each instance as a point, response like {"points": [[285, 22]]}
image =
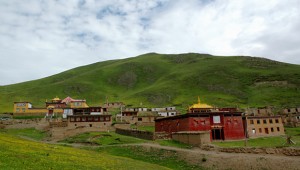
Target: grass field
{"points": [[276, 141], [112, 138], [29, 132], [102, 138], [160, 157], [18, 153]]}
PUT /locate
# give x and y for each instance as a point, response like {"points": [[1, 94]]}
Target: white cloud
{"points": [[41, 38]]}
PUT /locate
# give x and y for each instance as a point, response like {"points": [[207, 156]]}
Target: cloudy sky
{"points": [[39, 38]]}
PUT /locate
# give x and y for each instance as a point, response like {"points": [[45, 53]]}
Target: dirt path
{"points": [[222, 160]]}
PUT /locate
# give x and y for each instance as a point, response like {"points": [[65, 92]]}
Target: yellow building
{"points": [[26, 109], [262, 126], [78, 104]]}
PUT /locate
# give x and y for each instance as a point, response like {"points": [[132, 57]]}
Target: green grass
{"points": [[146, 128], [162, 80], [173, 143], [161, 157], [28, 117], [18, 153], [102, 138], [276, 141], [143, 128], [28, 132]]}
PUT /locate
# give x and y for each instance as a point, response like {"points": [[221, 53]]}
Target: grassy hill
{"points": [[45, 156], [159, 80]]}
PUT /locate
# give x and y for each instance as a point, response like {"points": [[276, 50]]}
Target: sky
{"points": [[39, 38]]}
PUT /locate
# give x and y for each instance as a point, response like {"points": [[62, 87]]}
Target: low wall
{"points": [[58, 124], [192, 138], [288, 151], [284, 151], [145, 123], [38, 123], [60, 133], [135, 133], [162, 135], [122, 125]]}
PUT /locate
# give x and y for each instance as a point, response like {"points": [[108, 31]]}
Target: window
{"points": [[18, 109], [101, 119], [270, 121], [216, 119], [23, 109], [266, 131], [251, 122], [91, 125], [253, 130], [278, 129], [265, 121], [75, 124], [260, 131], [90, 119], [272, 130], [258, 121], [83, 119], [77, 119], [139, 119], [72, 119]]}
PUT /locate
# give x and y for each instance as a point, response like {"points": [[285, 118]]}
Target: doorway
{"points": [[217, 134]]}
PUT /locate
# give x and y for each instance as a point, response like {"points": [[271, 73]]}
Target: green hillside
{"points": [[17, 153], [160, 80]]}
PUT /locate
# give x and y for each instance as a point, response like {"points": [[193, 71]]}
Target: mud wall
{"points": [[135, 133]]}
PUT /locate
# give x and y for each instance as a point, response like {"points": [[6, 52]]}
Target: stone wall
{"points": [[58, 124], [135, 133], [60, 133], [192, 138], [122, 125], [162, 135], [39, 123], [289, 151]]}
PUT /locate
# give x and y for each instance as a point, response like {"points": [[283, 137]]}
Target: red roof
{"points": [[67, 100]]}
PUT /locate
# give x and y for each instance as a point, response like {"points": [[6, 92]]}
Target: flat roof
{"points": [[88, 115], [204, 114], [263, 117]]}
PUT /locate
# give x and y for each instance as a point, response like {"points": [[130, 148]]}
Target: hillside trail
{"points": [[210, 159]]}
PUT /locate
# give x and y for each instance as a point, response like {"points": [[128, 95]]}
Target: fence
{"points": [[136, 133]]}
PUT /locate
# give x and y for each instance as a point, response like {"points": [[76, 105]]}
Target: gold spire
{"points": [[200, 105]]}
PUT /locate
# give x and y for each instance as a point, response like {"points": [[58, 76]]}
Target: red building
{"points": [[223, 123]]}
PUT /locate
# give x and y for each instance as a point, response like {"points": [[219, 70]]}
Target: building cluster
{"points": [[144, 116], [290, 116], [219, 123], [75, 112]]}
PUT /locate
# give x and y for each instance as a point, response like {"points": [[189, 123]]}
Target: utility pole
{"points": [[121, 113]]}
